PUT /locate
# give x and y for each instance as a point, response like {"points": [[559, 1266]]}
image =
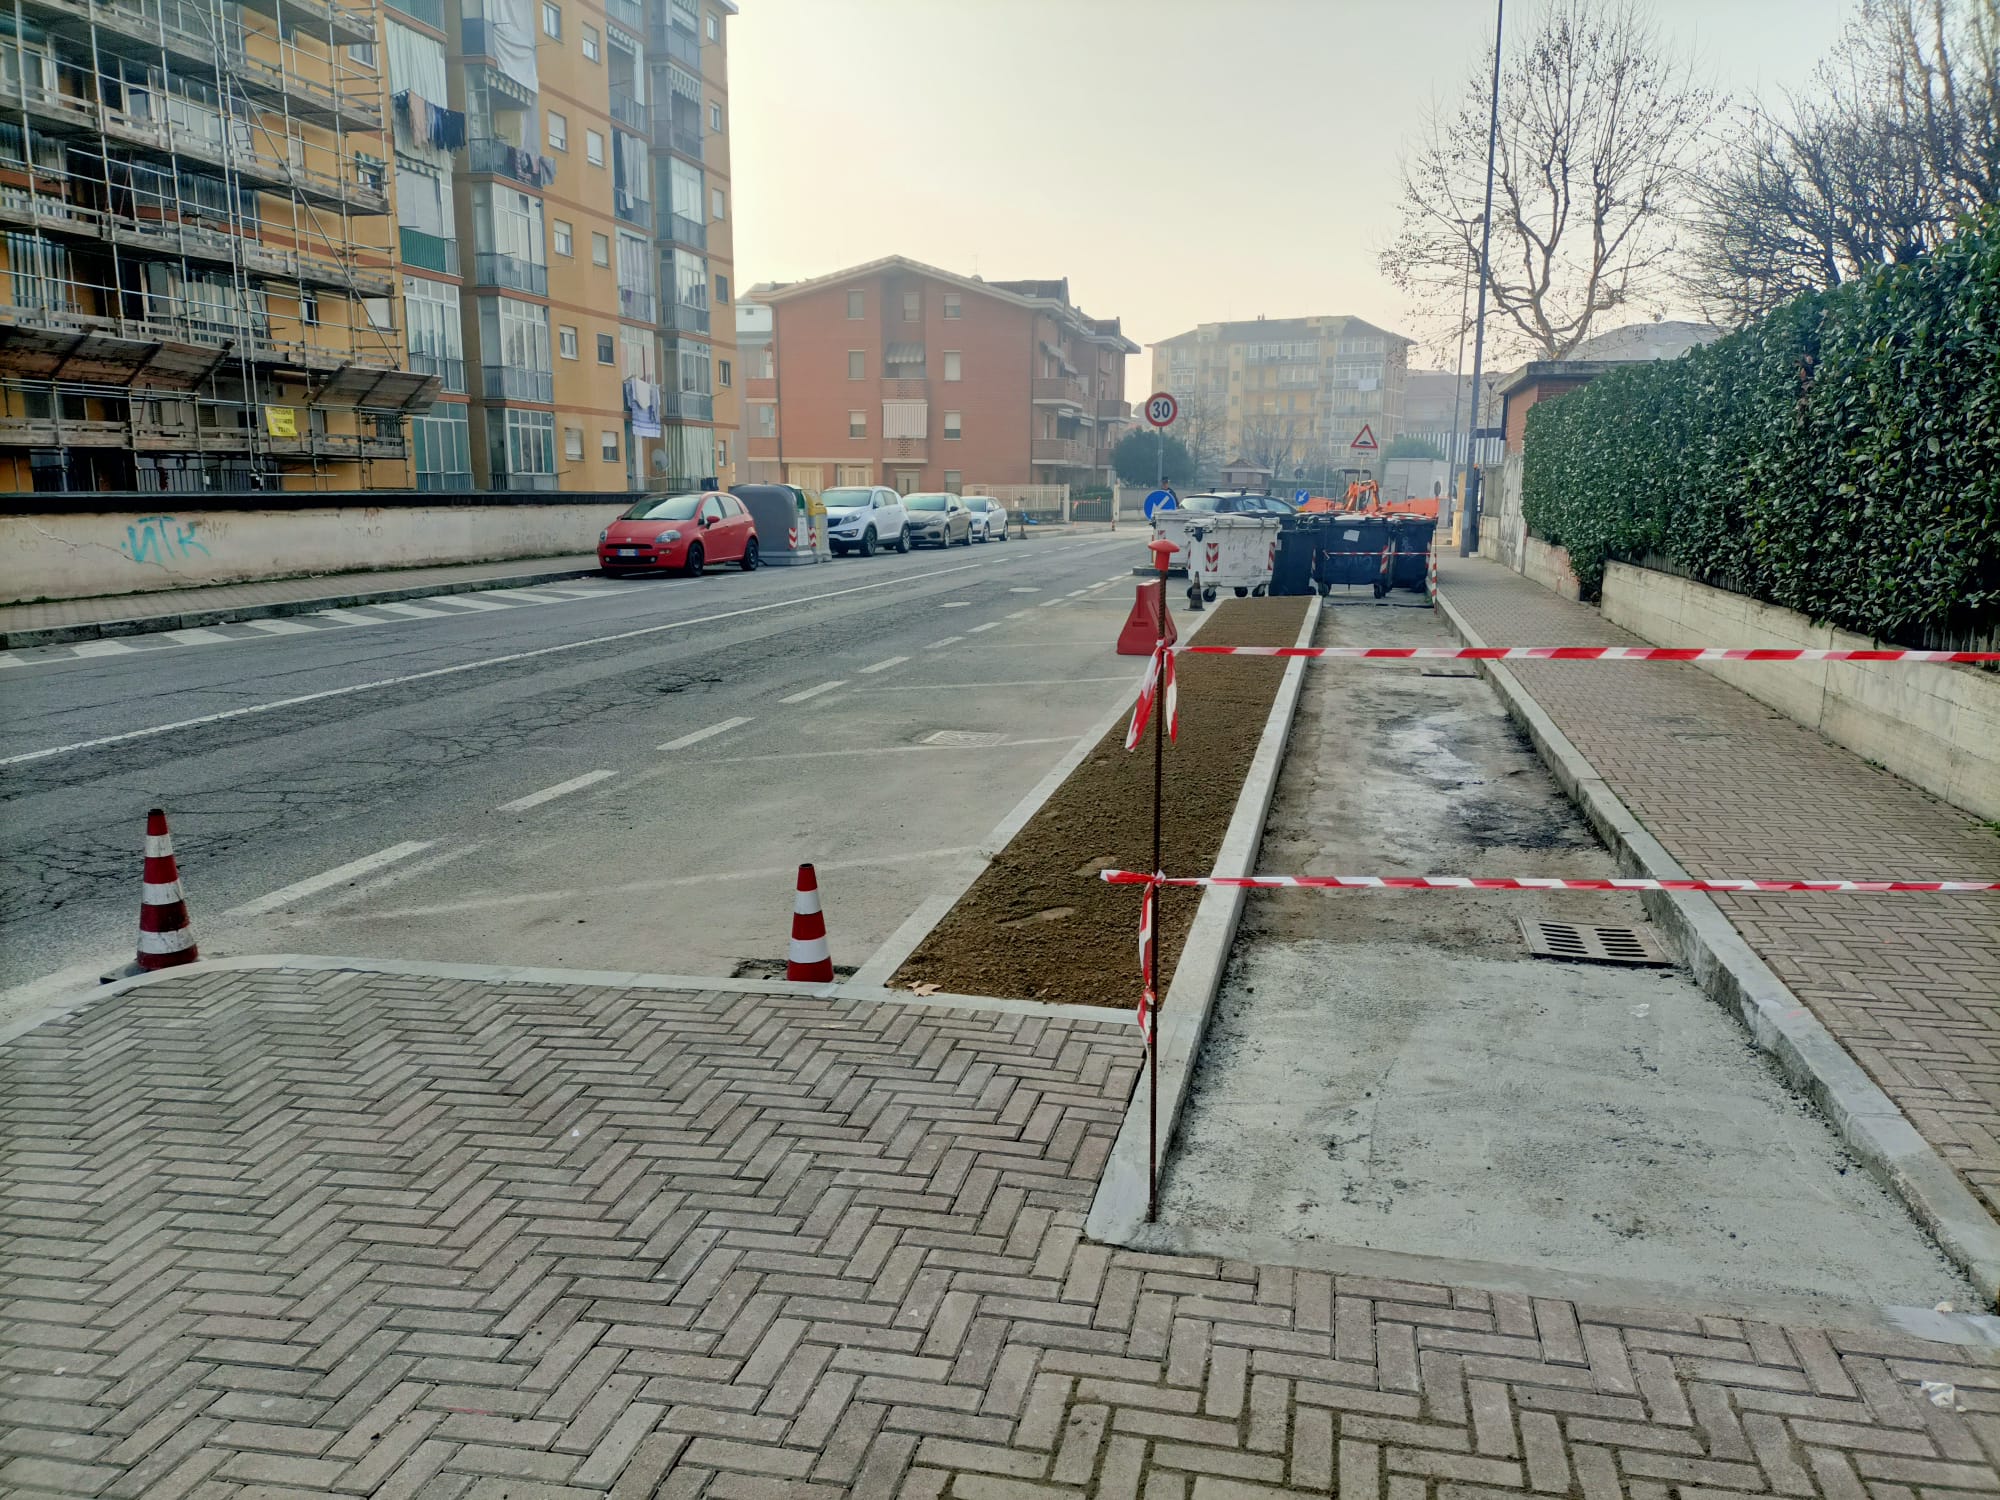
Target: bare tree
{"points": [[1274, 441], [1598, 121], [1201, 427], [1898, 137]]}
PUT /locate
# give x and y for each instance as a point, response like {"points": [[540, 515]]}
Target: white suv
{"points": [[862, 517]]}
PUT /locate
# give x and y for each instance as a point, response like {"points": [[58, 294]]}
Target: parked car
{"points": [[1237, 504], [684, 532], [862, 517], [989, 518], [939, 520]]}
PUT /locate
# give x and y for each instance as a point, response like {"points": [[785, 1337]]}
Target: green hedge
{"points": [[1840, 457]]}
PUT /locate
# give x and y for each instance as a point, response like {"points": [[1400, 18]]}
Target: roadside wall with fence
{"points": [[1044, 502], [62, 550]]}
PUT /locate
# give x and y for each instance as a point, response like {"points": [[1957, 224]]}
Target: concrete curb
{"points": [[97, 630], [1808, 1056], [890, 957], [1118, 1211]]}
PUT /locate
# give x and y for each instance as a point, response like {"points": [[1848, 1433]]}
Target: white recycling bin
{"points": [[1231, 552], [1172, 525]]}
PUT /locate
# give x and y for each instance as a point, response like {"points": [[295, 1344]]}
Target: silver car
{"points": [[989, 518], [939, 519]]}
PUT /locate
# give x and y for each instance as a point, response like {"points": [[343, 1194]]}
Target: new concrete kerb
{"points": [[1118, 1212], [1807, 1055]]}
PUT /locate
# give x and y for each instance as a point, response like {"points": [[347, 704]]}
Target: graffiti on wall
{"points": [[162, 539]]}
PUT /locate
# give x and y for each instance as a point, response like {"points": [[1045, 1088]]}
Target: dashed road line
{"points": [[956, 604], [883, 666], [102, 648], [706, 734], [326, 879], [550, 793], [410, 611], [280, 627], [989, 625], [813, 692], [947, 641], [467, 601], [1051, 603]]}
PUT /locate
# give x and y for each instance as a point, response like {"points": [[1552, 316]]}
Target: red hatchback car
{"points": [[684, 532]]}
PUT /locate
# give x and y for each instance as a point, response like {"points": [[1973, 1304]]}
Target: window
{"points": [[951, 304], [565, 237], [722, 372], [857, 365], [591, 51], [558, 132], [309, 309], [566, 342], [436, 337], [857, 304], [951, 365], [951, 428], [593, 147], [857, 424], [715, 203], [912, 306], [600, 249], [722, 456], [551, 19], [766, 418], [606, 350], [572, 442], [607, 446], [722, 291], [524, 444], [954, 480], [761, 363], [715, 119], [714, 28]]}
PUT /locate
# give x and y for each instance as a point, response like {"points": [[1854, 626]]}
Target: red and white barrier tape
{"points": [[1162, 661], [1594, 653], [1526, 883], [1148, 939]]}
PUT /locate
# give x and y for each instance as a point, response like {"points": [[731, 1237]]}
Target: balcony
{"points": [[679, 229], [906, 450], [1061, 388], [511, 383], [635, 303], [683, 318], [688, 406], [449, 369], [910, 386], [760, 388], [627, 13], [429, 252], [669, 135], [682, 45], [501, 158], [530, 483], [430, 12], [635, 211], [492, 269], [1066, 452], [1114, 411], [627, 111]]}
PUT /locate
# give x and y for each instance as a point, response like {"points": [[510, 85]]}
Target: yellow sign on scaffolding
{"points": [[281, 421]]}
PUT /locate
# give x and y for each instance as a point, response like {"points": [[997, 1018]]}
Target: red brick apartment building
{"points": [[898, 373]]}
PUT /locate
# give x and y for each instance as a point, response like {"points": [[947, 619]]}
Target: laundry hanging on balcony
{"points": [[642, 406], [430, 126]]}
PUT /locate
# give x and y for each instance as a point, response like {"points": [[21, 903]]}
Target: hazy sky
{"points": [[1181, 161]]}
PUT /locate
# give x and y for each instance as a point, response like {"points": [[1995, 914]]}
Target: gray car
{"points": [[938, 520], [989, 518]]}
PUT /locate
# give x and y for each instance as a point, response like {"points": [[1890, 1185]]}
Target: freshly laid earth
{"points": [[1038, 924]]}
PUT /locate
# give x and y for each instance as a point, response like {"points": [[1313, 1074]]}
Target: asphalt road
{"points": [[611, 774]]}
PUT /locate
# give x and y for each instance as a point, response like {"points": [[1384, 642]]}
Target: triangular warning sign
{"points": [[1365, 443]]}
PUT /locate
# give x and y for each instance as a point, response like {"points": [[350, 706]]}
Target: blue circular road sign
{"points": [[1161, 500]]}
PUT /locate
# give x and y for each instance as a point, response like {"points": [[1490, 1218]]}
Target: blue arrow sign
{"points": [[1161, 500], [1299, 497]]}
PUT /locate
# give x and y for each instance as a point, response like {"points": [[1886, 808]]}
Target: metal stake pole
{"points": [[1466, 515], [1153, 1032]]}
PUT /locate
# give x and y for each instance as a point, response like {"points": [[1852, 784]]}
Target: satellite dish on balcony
{"points": [[659, 460]]}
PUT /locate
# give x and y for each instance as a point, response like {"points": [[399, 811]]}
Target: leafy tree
{"points": [[1136, 459], [1409, 446]]}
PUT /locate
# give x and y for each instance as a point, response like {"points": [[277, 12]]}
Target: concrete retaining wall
{"points": [[1502, 530], [82, 554], [1548, 566], [1938, 727]]}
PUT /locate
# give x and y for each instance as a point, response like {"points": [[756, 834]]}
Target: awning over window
{"points": [[904, 354]]}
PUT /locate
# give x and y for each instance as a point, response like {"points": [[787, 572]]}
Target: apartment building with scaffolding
{"points": [[195, 230]]}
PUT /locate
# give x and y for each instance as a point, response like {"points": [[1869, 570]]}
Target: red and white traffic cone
{"points": [[810, 960], [166, 937]]}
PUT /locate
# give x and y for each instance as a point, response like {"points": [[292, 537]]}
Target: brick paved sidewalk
{"points": [[166, 609], [269, 1233], [1910, 985]]}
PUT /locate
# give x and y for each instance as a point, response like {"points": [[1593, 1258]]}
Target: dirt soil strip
{"points": [[1038, 924]]}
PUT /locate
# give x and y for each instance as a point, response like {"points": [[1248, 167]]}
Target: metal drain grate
{"points": [[1591, 945]]}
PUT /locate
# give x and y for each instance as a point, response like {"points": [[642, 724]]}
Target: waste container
{"points": [[1410, 564], [1292, 573], [1233, 552], [1171, 525], [787, 530], [1349, 554]]}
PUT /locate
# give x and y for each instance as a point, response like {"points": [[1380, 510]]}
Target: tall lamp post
{"points": [[1466, 520]]}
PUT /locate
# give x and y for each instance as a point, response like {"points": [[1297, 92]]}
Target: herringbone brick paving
{"points": [[1910, 986], [272, 1233]]}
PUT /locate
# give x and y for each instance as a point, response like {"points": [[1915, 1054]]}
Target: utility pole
{"points": [[1465, 518]]}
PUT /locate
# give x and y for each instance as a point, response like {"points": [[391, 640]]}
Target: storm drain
{"points": [[1591, 945], [962, 739]]}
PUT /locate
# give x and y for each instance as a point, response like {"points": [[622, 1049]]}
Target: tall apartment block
{"points": [[442, 244], [196, 231], [1288, 392]]}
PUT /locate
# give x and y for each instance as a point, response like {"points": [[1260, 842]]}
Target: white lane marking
{"points": [[464, 601], [408, 611], [1060, 739], [704, 734], [883, 666], [198, 637], [1020, 614], [1076, 593], [1024, 591], [814, 692], [956, 604], [469, 666], [989, 625], [940, 645], [328, 878], [9, 659], [279, 627], [939, 687], [100, 648], [550, 793], [1050, 603], [528, 596], [338, 616]]}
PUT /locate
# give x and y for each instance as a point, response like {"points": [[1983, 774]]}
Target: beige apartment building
{"points": [[1285, 393]]}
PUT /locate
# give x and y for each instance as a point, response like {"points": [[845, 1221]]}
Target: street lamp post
{"points": [[1465, 518]]}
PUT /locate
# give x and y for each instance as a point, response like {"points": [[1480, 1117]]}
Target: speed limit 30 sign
{"points": [[1161, 409]]}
